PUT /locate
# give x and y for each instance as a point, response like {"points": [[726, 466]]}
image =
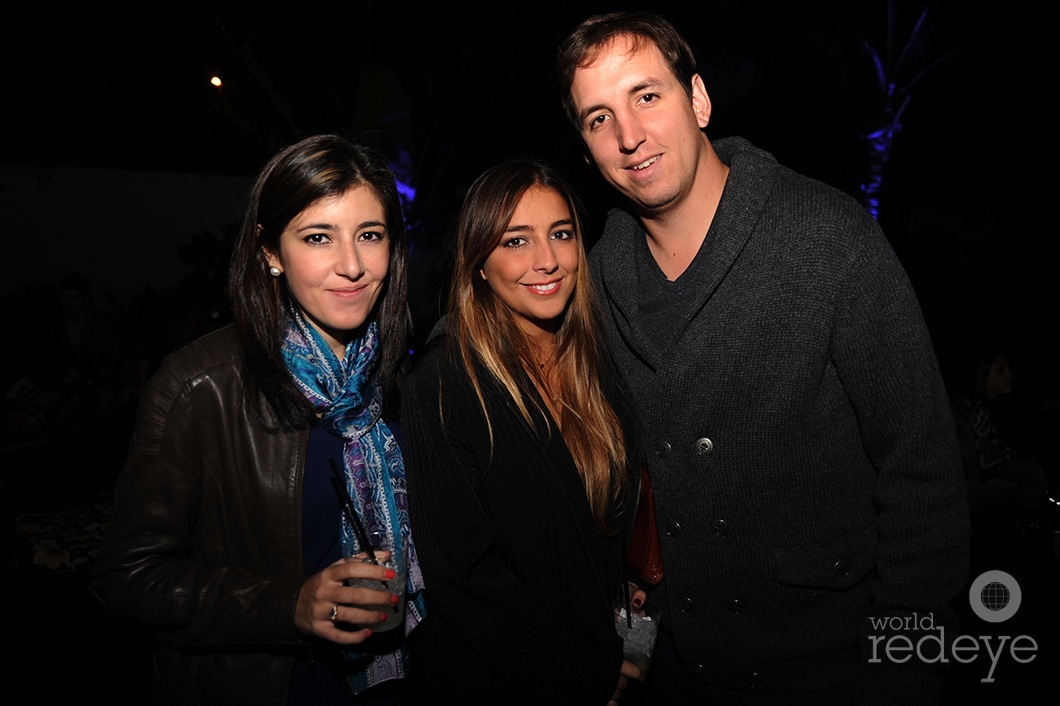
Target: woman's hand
{"points": [[329, 609], [637, 596], [629, 671]]}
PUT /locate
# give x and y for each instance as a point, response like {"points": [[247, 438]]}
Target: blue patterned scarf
{"points": [[348, 395]]}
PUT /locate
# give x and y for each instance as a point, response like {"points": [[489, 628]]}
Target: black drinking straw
{"points": [[629, 605], [351, 512]]}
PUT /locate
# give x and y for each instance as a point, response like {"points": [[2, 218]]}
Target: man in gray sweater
{"points": [[805, 466]]}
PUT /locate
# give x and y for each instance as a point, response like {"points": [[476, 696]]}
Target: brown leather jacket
{"points": [[204, 547]]}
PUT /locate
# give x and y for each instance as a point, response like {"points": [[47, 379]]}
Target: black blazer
{"points": [[519, 585]]}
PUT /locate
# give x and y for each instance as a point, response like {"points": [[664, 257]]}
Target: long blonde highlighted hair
{"points": [[482, 329]]}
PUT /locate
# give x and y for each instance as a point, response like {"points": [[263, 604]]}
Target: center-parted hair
{"points": [[317, 167], [483, 330]]}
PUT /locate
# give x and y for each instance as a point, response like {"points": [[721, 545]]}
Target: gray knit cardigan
{"points": [[801, 448]]}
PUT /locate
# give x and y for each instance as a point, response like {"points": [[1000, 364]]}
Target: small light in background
{"points": [[215, 81]]}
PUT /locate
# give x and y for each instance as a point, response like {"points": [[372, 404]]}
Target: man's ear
{"points": [[700, 101]]}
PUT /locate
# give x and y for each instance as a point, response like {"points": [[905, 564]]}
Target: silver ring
{"points": [[334, 614]]}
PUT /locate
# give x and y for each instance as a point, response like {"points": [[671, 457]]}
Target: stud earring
{"points": [[275, 271]]}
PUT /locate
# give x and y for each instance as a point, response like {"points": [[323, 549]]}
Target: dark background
{"points": [[450, 91]]}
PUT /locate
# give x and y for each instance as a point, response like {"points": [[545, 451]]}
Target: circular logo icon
{"points": [[995, 596]]}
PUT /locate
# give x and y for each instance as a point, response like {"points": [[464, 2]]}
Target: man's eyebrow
{"points": [[643, 85]]}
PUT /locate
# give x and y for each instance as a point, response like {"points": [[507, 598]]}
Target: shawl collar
{"points": [[746, 191]]}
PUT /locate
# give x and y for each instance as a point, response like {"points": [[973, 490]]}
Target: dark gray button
{"points": [[703, 446], [687, 606], [841, 568], [736, 606], [700, 670], [662, 449], [719, 527], [673, 529]]}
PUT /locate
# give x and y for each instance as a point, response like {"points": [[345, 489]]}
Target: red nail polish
{"points": [[390, 573], [382, 617], [393, 599]]}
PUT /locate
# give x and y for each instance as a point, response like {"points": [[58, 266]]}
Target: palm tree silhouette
{"points": [[896, 71]]}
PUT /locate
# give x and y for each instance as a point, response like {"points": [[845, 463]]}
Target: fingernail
{"points": [[393, 598], [383, 617], [390, 573]]}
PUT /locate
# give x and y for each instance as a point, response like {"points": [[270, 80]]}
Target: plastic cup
{"points": [[638, 632], [398, 561]]}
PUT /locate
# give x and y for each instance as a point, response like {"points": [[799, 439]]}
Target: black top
{"points": [[519, 584]]}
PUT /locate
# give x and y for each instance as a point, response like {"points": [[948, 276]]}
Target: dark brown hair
{"points": [[584, 43], [296, 177]]}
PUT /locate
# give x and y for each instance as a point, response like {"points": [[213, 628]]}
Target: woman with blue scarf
{"points": [[261, 449]]}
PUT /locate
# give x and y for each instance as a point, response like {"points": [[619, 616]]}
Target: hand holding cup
{"points": [[397, 565], [328, 607], [638, 628]]}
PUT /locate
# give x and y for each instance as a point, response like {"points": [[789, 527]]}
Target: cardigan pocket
{"points": [[836, 564]]}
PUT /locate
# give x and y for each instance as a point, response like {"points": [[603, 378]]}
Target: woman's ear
{"points": [[271, 258]]}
